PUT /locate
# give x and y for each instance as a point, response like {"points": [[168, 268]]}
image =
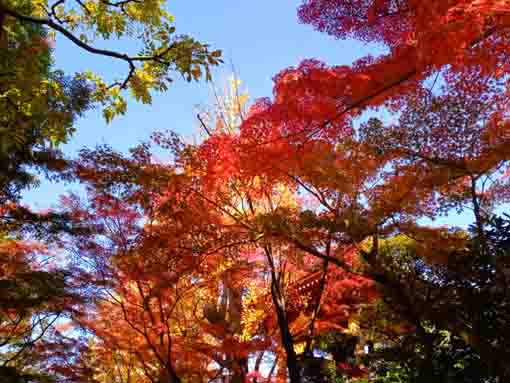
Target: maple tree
{"points": [[168, 271], [292, 235], [223, 263], [212, 253]]}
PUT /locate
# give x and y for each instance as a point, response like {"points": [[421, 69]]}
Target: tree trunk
{"points": [[287, 339], [283, 323]]}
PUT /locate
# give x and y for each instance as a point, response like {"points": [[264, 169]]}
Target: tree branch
{"points": [[130, 60]]}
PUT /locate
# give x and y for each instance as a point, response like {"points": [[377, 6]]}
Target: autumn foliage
{"points": [[291, 243]]}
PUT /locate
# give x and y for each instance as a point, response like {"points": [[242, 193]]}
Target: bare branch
{"points": [[202, 123]]}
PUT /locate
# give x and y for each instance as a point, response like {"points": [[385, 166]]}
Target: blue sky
{"points": [[260, 38]]}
